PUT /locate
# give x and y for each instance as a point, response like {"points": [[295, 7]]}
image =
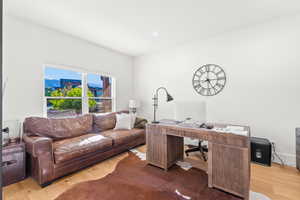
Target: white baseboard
{"points": [[288, 159]]}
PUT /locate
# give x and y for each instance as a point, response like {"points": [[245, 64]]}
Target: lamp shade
{"points": [[134, 104], [169, 97]]}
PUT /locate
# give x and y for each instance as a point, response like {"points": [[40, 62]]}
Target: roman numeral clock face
{"points": [[209, 80]]}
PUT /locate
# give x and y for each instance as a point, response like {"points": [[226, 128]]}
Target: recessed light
{"points": [[155, 34]]}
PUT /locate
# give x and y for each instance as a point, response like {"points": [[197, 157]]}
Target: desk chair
{"points": [[201, 148], [196, 112]]}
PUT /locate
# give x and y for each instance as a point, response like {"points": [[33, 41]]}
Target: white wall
{"points": [[262, 64], [28, 46]]}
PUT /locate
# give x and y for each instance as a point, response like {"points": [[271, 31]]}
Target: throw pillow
{"points": [[103, 122], [124, 121], [140, 123]]}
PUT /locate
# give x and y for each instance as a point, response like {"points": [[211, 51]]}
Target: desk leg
{"points": [[247, 197], [209, 162], [175, 150], [230, 169]]}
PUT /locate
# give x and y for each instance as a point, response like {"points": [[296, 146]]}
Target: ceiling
{"points": [[138, 27]]}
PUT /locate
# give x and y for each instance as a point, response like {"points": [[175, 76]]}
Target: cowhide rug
{"points": [[133, 179]]}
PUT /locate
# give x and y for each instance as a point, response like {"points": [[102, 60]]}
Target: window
{"points": [[99, 93], [71, 92]]}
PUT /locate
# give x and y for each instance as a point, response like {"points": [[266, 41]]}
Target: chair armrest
{"points": [[36, 145]]}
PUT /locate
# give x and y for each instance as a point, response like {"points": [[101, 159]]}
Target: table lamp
{"points": [[155, 99], [133, 105]]}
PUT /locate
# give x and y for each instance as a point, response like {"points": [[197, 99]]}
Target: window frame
{"points": [[84, 97]]}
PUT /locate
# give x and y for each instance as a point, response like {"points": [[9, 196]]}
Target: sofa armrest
{"points": [[41, 158], [37, 146]]}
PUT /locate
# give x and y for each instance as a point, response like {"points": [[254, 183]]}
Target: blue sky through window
{"points": [[57, 74], [94, 80]]}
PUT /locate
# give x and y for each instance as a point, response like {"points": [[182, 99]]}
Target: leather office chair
{"points": [[201, 148]]}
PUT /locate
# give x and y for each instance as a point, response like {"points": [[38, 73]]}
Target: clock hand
{"points": [[212, 86]]}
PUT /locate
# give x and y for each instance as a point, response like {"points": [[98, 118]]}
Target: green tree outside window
{"points": [[65, 104]]}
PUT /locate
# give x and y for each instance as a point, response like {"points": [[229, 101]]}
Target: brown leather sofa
{"points": [[57, 147]]}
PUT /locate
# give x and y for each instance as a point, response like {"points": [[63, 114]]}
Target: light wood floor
{"points": [[276, 182]]}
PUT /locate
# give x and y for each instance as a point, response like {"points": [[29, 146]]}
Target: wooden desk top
{"points": [[207, 134]]}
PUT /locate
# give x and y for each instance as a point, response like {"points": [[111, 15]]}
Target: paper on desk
{"points": [[167, 121], [238, 130], [244, 133], [235, 128]]}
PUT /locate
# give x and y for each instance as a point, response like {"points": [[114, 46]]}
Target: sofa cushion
{"points": [[58, 128], [103, 122], [123, 136], [68, 149]]}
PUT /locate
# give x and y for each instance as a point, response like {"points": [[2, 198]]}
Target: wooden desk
{"points": [[228, 154]]}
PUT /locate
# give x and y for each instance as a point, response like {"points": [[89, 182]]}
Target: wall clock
{"points": [[209, 80]]}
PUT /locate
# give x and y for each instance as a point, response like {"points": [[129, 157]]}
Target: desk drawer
{"points": [[230, 139], [189, 134], [202, 136], [174, 132]]}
